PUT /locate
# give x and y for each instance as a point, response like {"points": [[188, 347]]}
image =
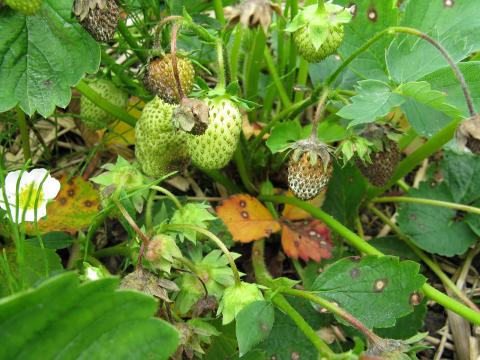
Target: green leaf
{"points": [[345, 193], [53, 240], [406, 326], [371, 63], [374, 100], [444, 80], [192, 214], [426, 109], [42, 56], [38, 262], [63, 319], [460, 172], [409, 58], [432, 228], [381, 282], [254, 323]]}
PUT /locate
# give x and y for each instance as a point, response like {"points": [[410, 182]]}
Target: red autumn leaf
{"points": [[307, 240], [246, 218]]}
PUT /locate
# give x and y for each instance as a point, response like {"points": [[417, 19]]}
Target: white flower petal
{"points": [[30, 214], [11, 181], [38, 175], [50, 188]]}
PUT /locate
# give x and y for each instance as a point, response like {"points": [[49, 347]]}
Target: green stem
{"points": [[120, 72], [447, 282], [24, 134], [445, 204], [215, 239], [120, 249], [264, 278], [172, 197], [242, 170], [98, 100], [276, 78], [321, 6], [288, 309], [301, 79], [132, 43], [221, 65], [253, 65], [365, 247], [345, 315], [235, 52], [218, 7]]}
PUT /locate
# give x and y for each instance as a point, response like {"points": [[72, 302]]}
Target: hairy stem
{"points": [[447, 282], [173, 51], [445, 204], [361, 245], [215, 239], [319, 113]]}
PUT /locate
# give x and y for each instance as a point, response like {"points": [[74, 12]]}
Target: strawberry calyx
{"points": [[315, 149]]}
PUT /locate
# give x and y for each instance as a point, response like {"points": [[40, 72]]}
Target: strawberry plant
{"points": [[239, 179]]}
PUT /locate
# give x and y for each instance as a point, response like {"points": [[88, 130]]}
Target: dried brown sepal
{"points": [[251, 13], [149, 284], [191, 116], [468, 134]]}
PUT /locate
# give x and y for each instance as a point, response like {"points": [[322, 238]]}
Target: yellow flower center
{"points": [[28, 196]]}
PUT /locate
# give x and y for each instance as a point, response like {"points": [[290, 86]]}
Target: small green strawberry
{"points": [[160, 78], [162, 252], [318, 30], [26, 7], [309, 168], [384, 156], [159, 148], [94, 117], [215, 148], [98, 17]]}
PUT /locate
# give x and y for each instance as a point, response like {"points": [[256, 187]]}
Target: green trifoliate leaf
{"points": [[374, 100], [254, 323], [91, 321], [42, 57], [235, 298], [364, 286], [192, 214]]}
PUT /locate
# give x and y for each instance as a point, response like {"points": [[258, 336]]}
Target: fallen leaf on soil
{"points": [[246, 218], [74, 208], [307, 240]]}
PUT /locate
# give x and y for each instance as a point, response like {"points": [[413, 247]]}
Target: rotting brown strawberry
{"points": [[98, 17], [160, 78], [384, 158], [310, 168]]}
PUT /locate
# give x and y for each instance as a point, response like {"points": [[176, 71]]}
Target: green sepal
{"points": [[311, 16]]}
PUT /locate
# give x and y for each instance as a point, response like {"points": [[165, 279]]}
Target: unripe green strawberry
{"points": [[309, 169], [306, 46], [235, 298], [384, 157], [159, 148], [94, 117], [380, 170], [160, 78], [162, 252], [98, 17], [318, 30], [215, 148], [26, 7]]}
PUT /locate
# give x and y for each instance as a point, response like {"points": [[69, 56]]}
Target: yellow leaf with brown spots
{"points": [[74, 208], [246, 218]]}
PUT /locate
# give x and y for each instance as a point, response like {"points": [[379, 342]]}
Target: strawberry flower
{"points": [[35, 189]]}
